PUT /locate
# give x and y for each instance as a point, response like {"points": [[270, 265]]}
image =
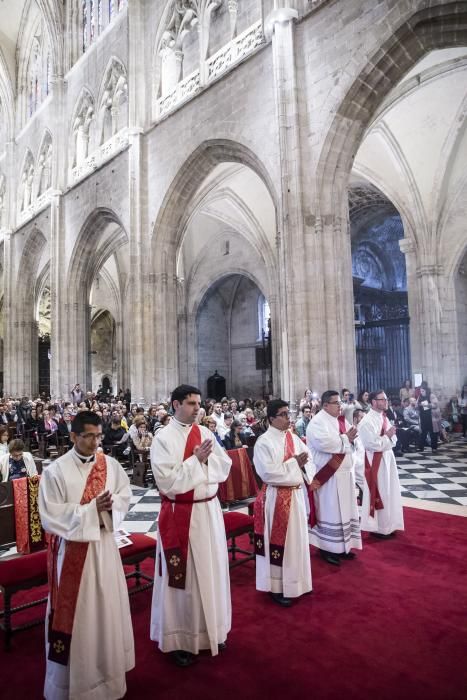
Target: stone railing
{"points": [[101, 155], [34, 208], [221, 62]]}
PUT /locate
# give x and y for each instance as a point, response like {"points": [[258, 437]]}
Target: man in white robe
{"points": [[283, 463], [382, 503], [197, 614], [102, 647], [330, 439]]}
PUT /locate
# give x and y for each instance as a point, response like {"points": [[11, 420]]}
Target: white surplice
{"points": [[337, 529], [390, 517], [293, 578], [102, 647], [200, 616]]}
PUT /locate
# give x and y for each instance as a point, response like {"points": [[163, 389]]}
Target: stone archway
{"points": [[233, 338]]}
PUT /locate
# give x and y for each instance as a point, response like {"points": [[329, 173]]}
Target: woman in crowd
{"points": [[406, 391], [362, 401], [463, 409], [235, 438], [47, 429], [306, 400], [426, 418], [142, 438], [3, 440], [211, 424]]}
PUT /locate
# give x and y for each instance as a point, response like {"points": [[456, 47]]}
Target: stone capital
{"points": [[406, 246], [281, 15]]}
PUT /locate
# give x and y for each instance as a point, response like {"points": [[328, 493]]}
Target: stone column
{"points": [[59, 343], [9, 335], [293, 337]]}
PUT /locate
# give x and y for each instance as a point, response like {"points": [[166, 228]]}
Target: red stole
{"points": [[64, 595], [331, 467], [30, 536], [281, 515], [371, 474], [174, 522]]}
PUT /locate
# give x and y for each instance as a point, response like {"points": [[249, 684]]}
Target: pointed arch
{"points": [[112, 100], [44, 164], [26, 181], [82, 127]]}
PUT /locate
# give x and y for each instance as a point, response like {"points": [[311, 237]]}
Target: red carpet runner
{"points": [[390, 625]]}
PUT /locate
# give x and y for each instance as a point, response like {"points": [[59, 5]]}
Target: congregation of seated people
{"points": [[129, 429]]}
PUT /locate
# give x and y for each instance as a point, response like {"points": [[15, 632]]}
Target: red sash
{"points": [[281, 515], [64, 595], [174, 522], [371, 475], [325, 474], [30, 536]]}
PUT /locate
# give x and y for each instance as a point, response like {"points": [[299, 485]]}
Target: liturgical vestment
{"points": [[199, 615], [102, 647], [293, 578], [390, 517], [337, 529]]}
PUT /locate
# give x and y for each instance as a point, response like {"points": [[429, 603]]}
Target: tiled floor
{"points": [[440, 478]]}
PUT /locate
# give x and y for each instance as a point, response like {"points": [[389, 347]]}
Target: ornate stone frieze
{"points": [[101, 155], [38, 205]]}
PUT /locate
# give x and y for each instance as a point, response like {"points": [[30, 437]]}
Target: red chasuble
{"points": [[281, 515], [174, 521], [371, 474], [30, 536], [64, 595]]}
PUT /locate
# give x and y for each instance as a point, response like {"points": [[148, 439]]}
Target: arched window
{"points": [[264, 315], [38, 72], [96, 15]]}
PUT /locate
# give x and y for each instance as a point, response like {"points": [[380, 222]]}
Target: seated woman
{"points": [[47, 429], [17, 463], [210, 423], [3, 440], [235, 438], [142, 438]]}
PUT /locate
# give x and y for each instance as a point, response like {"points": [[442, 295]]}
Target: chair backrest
{"points": [[241, 482], [21, 527]]}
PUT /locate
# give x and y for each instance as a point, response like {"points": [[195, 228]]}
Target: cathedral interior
{"points": [[276, 191]]}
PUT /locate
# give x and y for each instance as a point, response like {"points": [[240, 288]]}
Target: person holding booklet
{"points": [[83, 498]]}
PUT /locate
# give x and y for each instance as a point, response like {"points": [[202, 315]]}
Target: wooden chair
{"points": [[239, 489], [142, 473]]}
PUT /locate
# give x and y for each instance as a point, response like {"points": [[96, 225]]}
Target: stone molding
{"points": [[115, 145], [219, 64]]}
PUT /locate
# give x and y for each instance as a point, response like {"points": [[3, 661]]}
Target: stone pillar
{"points": [[293, 328], [59, 344], [9, 332]]}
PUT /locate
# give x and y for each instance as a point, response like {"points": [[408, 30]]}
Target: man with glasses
{"points": [[382, 504], [283, 462], [331, 441], [83, 498]]}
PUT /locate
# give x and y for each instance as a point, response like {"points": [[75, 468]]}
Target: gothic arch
{"points": [[174, 211], [112, 99], [26, 182], [44, 164], [437, 27], [82, 128]]}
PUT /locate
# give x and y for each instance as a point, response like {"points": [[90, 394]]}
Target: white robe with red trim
{"points": [[391, 517], [199, 616], [337, 529], [293, 578], [102, 647]]}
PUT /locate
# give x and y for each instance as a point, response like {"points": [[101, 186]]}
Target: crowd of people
{"points": [[312, 466]]}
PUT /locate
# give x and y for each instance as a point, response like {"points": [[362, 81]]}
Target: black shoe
{"points": [[222, 646], [348, 555], [183, 658], [330, 557], [381, 536], [280, 600]]}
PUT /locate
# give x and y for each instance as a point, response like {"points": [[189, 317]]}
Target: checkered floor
{"points": [[441, 477]]}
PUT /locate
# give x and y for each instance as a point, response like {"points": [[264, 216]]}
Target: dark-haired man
{"points": [[83, 497], [191, 608], [330, 439], [283, 462], [382, 504]]}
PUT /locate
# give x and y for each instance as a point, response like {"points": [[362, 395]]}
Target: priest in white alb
{"points": [[336, 530], [382, 503], [83, 498], [191, 606], [282, 461]]}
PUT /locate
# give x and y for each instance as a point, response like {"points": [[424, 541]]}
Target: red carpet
{"points": [[390, 625]]}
